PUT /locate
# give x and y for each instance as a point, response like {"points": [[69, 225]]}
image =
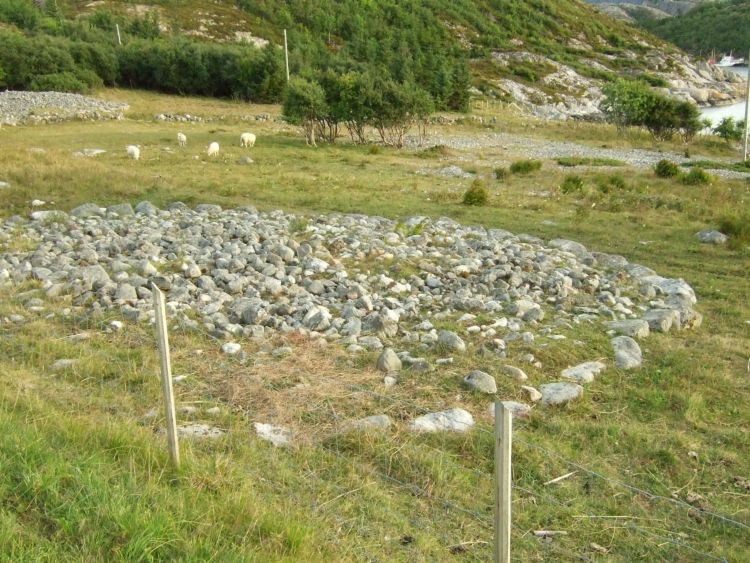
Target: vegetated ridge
{"points": [[551, 57], [722, 27]]}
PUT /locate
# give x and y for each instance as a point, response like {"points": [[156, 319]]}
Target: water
{"points": [[736, 111]]}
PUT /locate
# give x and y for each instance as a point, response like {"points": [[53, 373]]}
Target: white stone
{"points": [[628, 354], [560, 393], [277, 435], [583, 373], [518, 410], [230, 348], [456, 420]]}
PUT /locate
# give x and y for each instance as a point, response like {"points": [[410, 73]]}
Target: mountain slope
{"points": [[551, 53]]}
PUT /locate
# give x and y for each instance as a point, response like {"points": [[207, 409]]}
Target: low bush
{"points": [[612, 183], [436, 151], [476, 194], [666, 169], [572, 183], [696, 177], [737, 227], [525, 166], [501, 173]]}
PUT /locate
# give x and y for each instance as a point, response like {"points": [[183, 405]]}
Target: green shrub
{"points": [[58, 82], [737, 227], [525, 166], [697, 176], [655, 81], [501, 173], [375, 149], [476, 194], [617, 182], [633, 103], [21, 13], [730, 130], [436, 151], [666, 169], [571, 183]]}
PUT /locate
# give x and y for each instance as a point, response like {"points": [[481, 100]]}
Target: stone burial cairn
{"points": [[242, 273]]}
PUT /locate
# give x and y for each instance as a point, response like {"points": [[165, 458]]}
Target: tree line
{"points": [[43, 50]]}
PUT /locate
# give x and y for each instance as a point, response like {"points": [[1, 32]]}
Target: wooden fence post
{"points": [[503, 433], [166, 375]]}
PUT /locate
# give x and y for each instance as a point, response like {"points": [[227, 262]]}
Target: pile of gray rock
{"points": [[241, 273], [17, 107]]}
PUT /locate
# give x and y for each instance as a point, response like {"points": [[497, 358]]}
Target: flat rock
{"points": [[199, 431], [637, 328], [454, 420], [89, 152], [87, 210], [231, 348], [480, 381], [518, 410], [583, 373], [63, 364], [560, 393], [628, 354], [277, 435], [711, 237], [375, 422]]}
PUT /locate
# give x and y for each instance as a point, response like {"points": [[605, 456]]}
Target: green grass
{"points": [[588, 161], [719, 165], [85, 476]]}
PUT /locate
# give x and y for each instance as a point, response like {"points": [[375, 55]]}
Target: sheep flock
{"points": [[247, 140]]}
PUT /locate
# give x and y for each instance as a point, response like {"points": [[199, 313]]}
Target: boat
{"points": [[729, 60]]}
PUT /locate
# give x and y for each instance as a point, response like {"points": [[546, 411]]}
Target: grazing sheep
{"points": [[213, 149], [134, 152], [181, 139], [247, 140]]}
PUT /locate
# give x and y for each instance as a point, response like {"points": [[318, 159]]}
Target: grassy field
{"points": [[85, 473]]}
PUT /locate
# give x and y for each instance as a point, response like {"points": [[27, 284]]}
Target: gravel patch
{"points": [[551, 150]]}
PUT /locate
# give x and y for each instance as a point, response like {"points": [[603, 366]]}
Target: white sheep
{"points": [[134, 151], [247, 140], [181, 139], [213, 149]]}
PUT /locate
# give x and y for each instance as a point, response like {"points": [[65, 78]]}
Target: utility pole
{"points": [[119, 40], [286, 56], [747, 109]]}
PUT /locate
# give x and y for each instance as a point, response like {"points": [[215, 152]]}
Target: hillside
{"points": [[665, 7], [551, 57], [721, 26]]}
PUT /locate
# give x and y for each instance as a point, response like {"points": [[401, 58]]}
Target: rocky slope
{"points": [[563, 93]]}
